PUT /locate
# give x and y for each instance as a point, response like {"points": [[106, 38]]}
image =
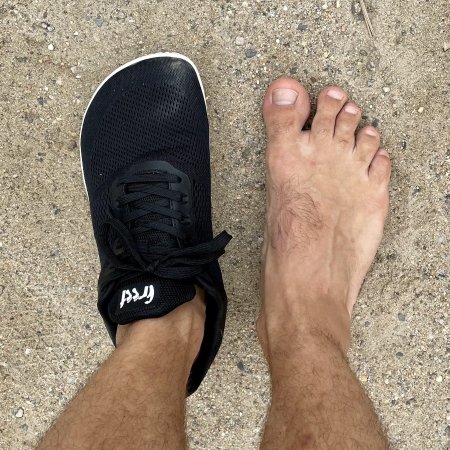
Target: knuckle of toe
{"points": [[281, 126], [344, 141], [323, 131]]}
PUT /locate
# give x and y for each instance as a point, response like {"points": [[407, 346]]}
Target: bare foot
{"points": [[327, 201]]}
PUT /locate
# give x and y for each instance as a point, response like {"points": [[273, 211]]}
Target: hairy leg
{"points": [[317, 402], [136, 399], [327, 203]]}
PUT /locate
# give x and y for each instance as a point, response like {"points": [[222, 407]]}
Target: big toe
{"points": [[286, 109]]}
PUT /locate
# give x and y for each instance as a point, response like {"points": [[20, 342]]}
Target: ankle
{"points": [[180, 331], [304, 351], [291, 324]]}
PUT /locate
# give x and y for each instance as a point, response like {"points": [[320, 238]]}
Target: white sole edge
{"points": [[131, 63]]}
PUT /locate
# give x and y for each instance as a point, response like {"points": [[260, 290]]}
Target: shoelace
{"points": [[165, 262]]}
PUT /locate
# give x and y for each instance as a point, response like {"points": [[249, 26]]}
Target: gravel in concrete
{"points": [[54, 54]]}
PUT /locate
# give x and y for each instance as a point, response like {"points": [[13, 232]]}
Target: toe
{"points": [[346, 124], [329, 104], [367, 144], [286, 109], [380, 167]]}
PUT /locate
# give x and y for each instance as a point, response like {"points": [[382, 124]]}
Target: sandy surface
{"points": [[54, 54]]}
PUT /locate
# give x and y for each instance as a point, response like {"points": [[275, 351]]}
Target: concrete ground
{"points": [[54, 54]]}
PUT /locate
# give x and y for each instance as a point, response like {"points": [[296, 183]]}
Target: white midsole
{"points": [[134, 61]]}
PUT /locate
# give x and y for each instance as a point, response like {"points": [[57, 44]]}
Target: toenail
{"points": [[371, 132], [336, 94], [284, 96], [351, 109]]}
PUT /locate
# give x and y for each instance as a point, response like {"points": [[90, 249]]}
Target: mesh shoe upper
{"points": [[145, 157]]}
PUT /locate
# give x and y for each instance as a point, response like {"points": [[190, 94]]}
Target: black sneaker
{"points": [[144, 147]]}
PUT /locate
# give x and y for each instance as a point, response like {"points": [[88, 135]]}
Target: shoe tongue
{"points": [[148, 296]]}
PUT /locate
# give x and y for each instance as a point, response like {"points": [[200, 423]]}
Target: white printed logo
{"points": [[127, 296]]}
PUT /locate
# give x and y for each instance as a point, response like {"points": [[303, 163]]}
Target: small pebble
{"points": [[446, 46], [239, 40], [401, 317], [19, 413], [386, 89], [99, 21], [439, 379], [51, 47], [356, 8], [421, 110], [250, 53]]}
